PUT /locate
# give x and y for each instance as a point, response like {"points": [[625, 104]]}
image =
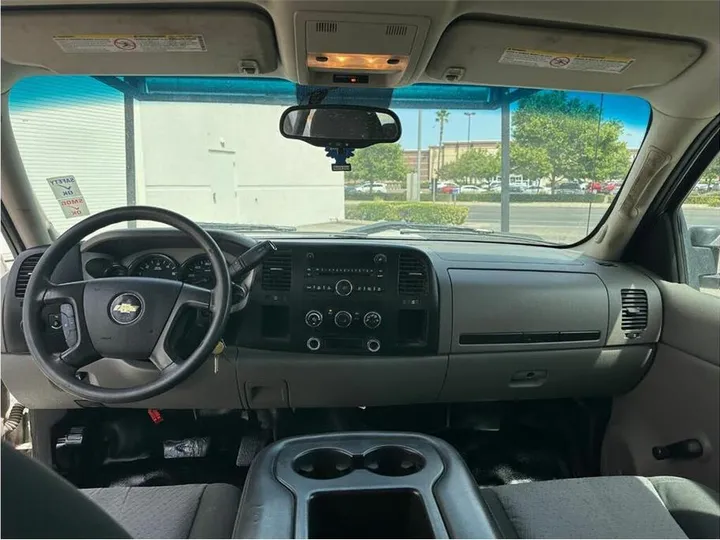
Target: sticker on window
{"points": [[113, 43], [572, 62], [68, 194]]}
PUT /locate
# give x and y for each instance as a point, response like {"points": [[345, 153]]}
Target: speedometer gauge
{"points": [[155, 265], [198, 271]]}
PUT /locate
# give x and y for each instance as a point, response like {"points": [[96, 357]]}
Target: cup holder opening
{"points": [[324, 464], [393, 461]]}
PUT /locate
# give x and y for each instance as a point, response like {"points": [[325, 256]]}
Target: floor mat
{"points": [[496, 458]]}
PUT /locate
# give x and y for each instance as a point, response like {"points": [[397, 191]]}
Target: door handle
{"points": [[214, 198]]}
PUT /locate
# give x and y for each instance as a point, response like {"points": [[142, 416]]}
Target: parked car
{"points": [[595, 187], [569, 188], [496, 187], [537, 190], [471, 189], [372, 187], [350, 189], [447, 187]]}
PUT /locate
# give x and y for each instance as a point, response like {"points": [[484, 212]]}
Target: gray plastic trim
{"points": [[545, 374], [337, 381]]}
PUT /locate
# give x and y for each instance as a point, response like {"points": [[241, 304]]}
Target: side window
{"points": [[701, 215], [6, 256]]}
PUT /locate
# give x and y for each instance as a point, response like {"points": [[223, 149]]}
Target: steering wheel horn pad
{"points": [[128, 318]]}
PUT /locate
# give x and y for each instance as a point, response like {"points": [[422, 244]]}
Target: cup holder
{"points": [[323, 464], [393, 461], [329, 463]]}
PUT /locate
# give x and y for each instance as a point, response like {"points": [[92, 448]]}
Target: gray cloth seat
{"points": [[188, 511], [605, 507], [37, 503]]}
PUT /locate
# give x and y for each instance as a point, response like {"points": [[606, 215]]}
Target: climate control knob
{"points": [[313, 344], [372, 319], [313, 318], [343, 319], [343, 287], [373, 345]]}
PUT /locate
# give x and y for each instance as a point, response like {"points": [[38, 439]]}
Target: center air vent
{"points": [[277, 272], [412, 275], [24, 273], [634, 310], [326, 27]]}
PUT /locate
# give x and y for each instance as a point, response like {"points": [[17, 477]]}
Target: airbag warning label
{"points": [[569, 61], [107, 43]]}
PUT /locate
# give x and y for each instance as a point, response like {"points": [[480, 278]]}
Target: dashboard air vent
{"points": [[24, 273], [277, 272], [634, 310], [412, 275], [326, 27]]}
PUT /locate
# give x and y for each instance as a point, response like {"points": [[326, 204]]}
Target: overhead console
{"points": [[343, 299], [352, 49], [523, 55]]}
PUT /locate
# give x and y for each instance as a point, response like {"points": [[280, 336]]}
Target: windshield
{"points": [[211, 150]]}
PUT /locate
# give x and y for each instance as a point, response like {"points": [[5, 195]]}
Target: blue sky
{"points": [[633, 112]]}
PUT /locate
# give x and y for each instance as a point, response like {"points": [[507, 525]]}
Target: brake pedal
{"points": [[250, 446]]}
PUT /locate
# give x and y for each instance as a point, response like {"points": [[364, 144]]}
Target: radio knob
{"points": [[343, 319], [372, 319], [343, 287], [313, 344], [373, 345], [313, 318]]}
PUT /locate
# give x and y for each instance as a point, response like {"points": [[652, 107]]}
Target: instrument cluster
{"points": [[197, 270]]}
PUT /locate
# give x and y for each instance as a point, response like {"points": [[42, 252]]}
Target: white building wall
{"points": [[185, 154], [229, 163], [71, 126]]}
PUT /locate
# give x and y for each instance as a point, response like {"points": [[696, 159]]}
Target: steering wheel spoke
{"points": [[80, 355], [60, 293], [190, 297]]}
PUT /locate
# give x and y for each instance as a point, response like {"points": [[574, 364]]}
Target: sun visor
{"points": [[141, 42], [526, 56]]}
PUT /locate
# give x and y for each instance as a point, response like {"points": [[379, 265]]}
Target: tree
{"points": [[379, 163], [711, 174], [558, 137], [442, 117], [474, 164]]}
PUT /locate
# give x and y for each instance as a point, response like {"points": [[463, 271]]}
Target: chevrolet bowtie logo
{"points": [[126, 308]]}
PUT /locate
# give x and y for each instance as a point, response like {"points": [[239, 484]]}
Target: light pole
{"points": [[469, 115]]}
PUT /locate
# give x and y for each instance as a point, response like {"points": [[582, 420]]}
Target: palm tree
{"points": [[442, 117]]}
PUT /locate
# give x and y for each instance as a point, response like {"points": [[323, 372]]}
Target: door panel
{"points": [[678, 399]]}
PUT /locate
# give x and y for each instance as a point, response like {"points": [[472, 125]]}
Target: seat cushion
{"points": [[695, 507], [189, 511], [605, 507]]}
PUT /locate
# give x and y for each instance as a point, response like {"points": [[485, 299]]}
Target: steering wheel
{"points": [[122, 317]]}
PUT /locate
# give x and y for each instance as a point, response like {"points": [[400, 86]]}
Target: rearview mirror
{"points": [[340, 126]]}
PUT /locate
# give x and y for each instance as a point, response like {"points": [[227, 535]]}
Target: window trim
{"points": [[680, 182]]}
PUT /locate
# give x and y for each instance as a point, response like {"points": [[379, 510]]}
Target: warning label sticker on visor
{"points": [[569, 61], [109, 43]]}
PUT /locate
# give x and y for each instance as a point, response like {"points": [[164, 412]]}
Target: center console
{"points": [[352, 299], [361, 485]]}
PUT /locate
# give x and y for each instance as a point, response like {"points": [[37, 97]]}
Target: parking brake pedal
{"points": [[250, 446]]}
